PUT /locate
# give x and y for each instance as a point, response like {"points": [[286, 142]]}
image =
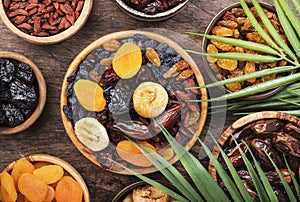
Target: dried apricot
{"points": [[68, 190], [153, 56], [20, 167], [127, 60], [8, 189], [50, 194], [227, 64], [90, 95], [50, 174], [32, 187], [130, 153]]}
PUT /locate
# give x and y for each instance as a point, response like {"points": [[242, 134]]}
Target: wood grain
{"points": [[48, 135]]}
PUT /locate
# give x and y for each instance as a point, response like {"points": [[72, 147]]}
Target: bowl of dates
{"points": [[120, 88], [268, 134], [152, 10], [23, 93], [41, 177], [232, 22], [43, 21]]}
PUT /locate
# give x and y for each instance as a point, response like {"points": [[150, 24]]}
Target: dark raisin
{"points": [[103, 117], [72, 76], [25, 73], [13, 116], [22, 95], [109, 78], [69, 90], [149, 43], [140, 37], [68, 112]]}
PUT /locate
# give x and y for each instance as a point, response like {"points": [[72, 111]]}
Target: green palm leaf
{"points": [[294, 180], [291, 15], [297, 5]]}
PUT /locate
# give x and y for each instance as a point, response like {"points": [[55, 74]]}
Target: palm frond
{"points": [[297, 5]]}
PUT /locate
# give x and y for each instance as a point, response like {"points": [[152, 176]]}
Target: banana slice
{"points": [[150, 99], [92, 134]]}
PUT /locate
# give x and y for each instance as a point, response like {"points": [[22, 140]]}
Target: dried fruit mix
{"points": [[40, 182], [141, 79], [19, 92], [235, 24]]}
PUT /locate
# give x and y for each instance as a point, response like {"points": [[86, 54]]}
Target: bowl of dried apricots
{"points": [[42, 177], [120, 88], [232, 22]]}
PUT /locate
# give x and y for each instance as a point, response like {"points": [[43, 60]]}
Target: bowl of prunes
{"points": [[232, 22], [23, 92], [268, 135], [118, 92], [151, 10]]}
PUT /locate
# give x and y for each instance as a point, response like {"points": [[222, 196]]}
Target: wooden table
{"points": [[48, 135]]}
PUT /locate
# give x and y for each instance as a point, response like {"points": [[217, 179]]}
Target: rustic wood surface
{"points": [[48, 135]]}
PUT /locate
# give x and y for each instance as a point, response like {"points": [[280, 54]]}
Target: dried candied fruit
{"points": [[21, 166], [32, 187], [90, 95], [49, 174], [68, 190], [8, 190], [153, 56], [127, 60], [130, 153]]}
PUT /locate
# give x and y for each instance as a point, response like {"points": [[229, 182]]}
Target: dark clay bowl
{"points": [[146, 17], [212, 73]]}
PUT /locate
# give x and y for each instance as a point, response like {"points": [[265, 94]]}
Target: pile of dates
{"points": [[152, 7], [269, 138], [19, 92], [235, 24], [161, 64]]}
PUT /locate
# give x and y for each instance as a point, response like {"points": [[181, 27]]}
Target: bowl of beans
{"points": [[45, 22], [152, 10], [268, 134], [232, 22], [23, 93], [41, 177], [120, 88]]}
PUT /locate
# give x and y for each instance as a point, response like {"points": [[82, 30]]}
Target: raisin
{"points": [[109, 78], [68, 112]]}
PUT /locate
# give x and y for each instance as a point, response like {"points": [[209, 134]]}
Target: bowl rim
{"points": [[120, 195], [57, 161], [243, 121], [146, 17], [41, 88], [208, 69], [119, 35], [79, 23]]}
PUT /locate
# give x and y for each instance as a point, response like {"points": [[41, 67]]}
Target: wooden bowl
{"points": [[212, 72], [41, 89], [127, 190], [79, 23], [34, 158], [146, 17], [242, 122], [120, 35]]}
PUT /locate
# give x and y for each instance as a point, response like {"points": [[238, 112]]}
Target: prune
{"points": [[22, 95], [25, 73], [2, 116], [26, 112], [4, 96], [119, 101], [7, 70], [13, 116]]}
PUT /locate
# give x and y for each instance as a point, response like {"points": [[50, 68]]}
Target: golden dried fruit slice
{"points": [[20, 167], [227, 64], [153, 57], [92, 133], [127, 60], [68, 190], [212, 49], [32, 187], [130, 153], [50, 173], [90, 95], [8, 189], [150, 99]]}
